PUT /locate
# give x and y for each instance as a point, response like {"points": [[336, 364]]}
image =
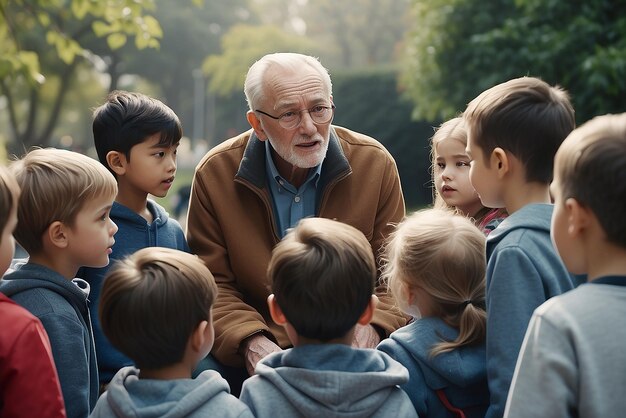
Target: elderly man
{"points": [[250, 189]]}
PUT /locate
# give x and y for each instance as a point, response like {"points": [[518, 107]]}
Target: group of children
{"points": [[466, 351]]}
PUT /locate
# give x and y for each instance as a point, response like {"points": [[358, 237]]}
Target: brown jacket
{"points": [[231, 225]]}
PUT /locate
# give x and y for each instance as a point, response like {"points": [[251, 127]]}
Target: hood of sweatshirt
{"points": [[534, 216], [30, 275], [464, 366], [129, 396], [333, 379]]}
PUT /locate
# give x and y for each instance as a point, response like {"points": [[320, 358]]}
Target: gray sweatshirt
{"points": [[331, 380], [207, 395]]}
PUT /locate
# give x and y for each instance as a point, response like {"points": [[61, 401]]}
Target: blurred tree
{"points": [[458, 48], [189, 35], [357, 32], [44, 39]]}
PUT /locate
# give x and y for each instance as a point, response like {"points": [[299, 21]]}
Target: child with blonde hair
{"points": [[435, 268], [450, 172]]}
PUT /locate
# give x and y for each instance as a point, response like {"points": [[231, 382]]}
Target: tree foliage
{"points": [[228, 70], [458, 48], [46, 40]]}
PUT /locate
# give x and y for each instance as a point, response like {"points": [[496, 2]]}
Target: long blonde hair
{"points": [[443, 253]]}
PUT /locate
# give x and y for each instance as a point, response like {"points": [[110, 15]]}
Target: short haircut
{"points": [[451, 129], [254, 85], [151, 303], [127, 119], [322, 275], [591, 167], [9, 196], [443, 253], [55, 185], [526, 117]]}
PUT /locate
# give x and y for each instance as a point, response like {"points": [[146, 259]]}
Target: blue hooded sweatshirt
{"points": [[523, 271], [205, 396], [134, 233], [460, 373], [330, 381], [61, 306]]}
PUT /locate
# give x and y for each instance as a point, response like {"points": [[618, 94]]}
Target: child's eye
{"points": [[463, 164], [160, 154], [441, 165]]}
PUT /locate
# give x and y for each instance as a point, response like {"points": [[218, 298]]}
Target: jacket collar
{"points": [[252, 166]]}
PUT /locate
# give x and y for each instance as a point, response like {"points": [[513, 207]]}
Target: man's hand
{"points": [[255, 348], [365, 336]]}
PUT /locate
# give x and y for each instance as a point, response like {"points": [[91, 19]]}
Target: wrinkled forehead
{"points": [[286, 88]]}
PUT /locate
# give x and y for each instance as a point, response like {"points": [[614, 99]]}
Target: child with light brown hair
{"points": [[450, 172], [63, 224], [435, 268], [25, 355], [572, 362]]}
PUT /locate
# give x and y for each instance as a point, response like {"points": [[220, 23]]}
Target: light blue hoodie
{"points": [[61, 306], [205, 396], [134, 233], [460, 373], [327, 380]]}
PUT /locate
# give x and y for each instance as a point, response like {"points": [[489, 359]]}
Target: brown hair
{"points": [[524, 116], [322, 275], [152, 301], [9, 196], [444, 254], [55, 185], [591, 167]]}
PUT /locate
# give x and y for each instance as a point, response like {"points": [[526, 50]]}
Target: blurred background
{"points": [[399, 67]]}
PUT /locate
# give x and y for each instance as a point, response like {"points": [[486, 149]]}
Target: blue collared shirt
{"points": [[290, 204]]}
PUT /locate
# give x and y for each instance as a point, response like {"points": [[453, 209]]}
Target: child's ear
{"points": [[368, 313], [57, 234], [255, 122], [500, 161], [117, 162], [275, 312], [201, 335], [578, 217]]}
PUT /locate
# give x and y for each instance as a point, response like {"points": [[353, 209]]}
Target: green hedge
{"points": [[369, 102]]}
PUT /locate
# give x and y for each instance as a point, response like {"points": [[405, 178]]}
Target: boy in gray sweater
{"points": [[323, 275], [572, 362]]}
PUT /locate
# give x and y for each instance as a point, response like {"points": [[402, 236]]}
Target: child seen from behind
{"points": [[572, 362], [435, 268], [156, 309], [322, 281]]}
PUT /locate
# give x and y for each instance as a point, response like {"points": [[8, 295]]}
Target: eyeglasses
{"points": [[292, 119]]}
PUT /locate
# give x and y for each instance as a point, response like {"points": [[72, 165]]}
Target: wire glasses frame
{"points": [[292, 119]]}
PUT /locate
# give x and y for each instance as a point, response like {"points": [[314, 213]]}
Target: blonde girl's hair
{"points": [[443, 253], [450, 129]]}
